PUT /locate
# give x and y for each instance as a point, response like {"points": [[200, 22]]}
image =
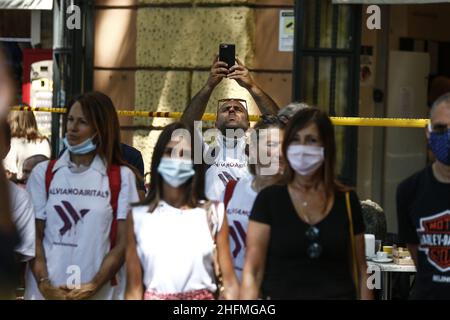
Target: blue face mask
{"points": [[83, 148], [440, 146], [176, 171]]}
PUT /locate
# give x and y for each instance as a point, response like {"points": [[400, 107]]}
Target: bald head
{"points": [[443, 102]]}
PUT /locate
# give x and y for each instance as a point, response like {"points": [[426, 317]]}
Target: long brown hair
{"points": [[100, 112], [23, 125], [302, 119], [195, 187]]}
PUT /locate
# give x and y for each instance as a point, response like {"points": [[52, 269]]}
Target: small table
{"points": [[386, 275]]}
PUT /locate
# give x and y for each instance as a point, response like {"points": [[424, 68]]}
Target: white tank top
{"points": [[229, 164], [175, 248]]}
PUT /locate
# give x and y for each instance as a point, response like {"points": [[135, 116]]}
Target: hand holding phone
{"points": [[227, 54]]}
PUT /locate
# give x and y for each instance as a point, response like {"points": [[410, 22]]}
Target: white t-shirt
{"points": [[78, 217], [238, 212], [230, 164], [23, 217], [175, 248], [22, 149]]}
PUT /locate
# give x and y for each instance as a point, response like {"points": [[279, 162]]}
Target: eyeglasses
{"points": [[314, 249], [221, 102]]}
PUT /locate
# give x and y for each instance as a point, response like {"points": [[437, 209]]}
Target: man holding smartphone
{"points": [[230, 156]]}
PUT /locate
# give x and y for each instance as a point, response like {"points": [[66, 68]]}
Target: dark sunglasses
{"points": [[438, 129]]}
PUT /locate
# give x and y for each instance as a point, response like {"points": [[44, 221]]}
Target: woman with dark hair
{"points": [[173, 233], [26, 141], [81, 202], [265, 167], [305, 239]]}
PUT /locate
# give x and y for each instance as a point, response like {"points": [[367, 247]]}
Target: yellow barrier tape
{"points": [[338, 121]]}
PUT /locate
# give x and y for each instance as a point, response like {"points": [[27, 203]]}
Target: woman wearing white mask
{"points": [[305, 240], [81, 202], [172, 235]]}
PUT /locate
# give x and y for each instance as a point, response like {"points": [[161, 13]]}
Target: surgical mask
{"points": [[440, 146], [83, 148], [176, 171], [305, 160]]}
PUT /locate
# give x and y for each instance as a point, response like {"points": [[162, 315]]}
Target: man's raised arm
{"points": [[197, 106], [242, 76]]}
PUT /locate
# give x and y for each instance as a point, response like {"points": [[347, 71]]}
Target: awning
{"points": [[27, 4], [390, 1]]}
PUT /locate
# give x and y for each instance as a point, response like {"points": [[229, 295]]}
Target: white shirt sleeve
{"points": [[36, 189], [10, 161], [23, 216], [128, 193]]}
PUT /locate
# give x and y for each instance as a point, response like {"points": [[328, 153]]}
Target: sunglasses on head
{"points": [[221, 102]]}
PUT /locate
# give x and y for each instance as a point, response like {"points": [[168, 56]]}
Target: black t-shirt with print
{"points": [[423, 210], [290, 273]]}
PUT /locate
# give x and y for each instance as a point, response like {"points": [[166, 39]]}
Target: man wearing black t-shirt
{"points": [[423, 208]]}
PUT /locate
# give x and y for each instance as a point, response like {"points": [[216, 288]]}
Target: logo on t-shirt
{"points": [[238, 234], [434, 236], [68, 213], [225, 177]]}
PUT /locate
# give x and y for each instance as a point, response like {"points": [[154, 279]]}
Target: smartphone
{"points": [[227, 54]]}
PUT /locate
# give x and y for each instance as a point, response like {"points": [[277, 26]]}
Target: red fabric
{"points": [[229, 192], [190, 295], [49, 175], [115, 183]]}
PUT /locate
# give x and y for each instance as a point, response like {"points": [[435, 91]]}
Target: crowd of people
{"points": [[263, 219]]}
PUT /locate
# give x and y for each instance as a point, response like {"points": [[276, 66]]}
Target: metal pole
{"points": [[58, 79]]}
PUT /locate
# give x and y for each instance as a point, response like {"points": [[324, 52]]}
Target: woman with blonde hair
{"points": [[26, 141]]}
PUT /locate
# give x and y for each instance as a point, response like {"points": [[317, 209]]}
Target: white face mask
{"points": [[176, 171], [305, 160]]}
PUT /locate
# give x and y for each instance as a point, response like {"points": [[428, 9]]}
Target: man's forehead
{"points": [[232, 103], [441, 115]]}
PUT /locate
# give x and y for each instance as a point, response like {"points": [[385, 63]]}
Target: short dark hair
{"points": [[195, 187]]}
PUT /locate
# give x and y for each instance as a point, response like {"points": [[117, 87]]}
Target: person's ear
{"points": [[427, 132]]}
